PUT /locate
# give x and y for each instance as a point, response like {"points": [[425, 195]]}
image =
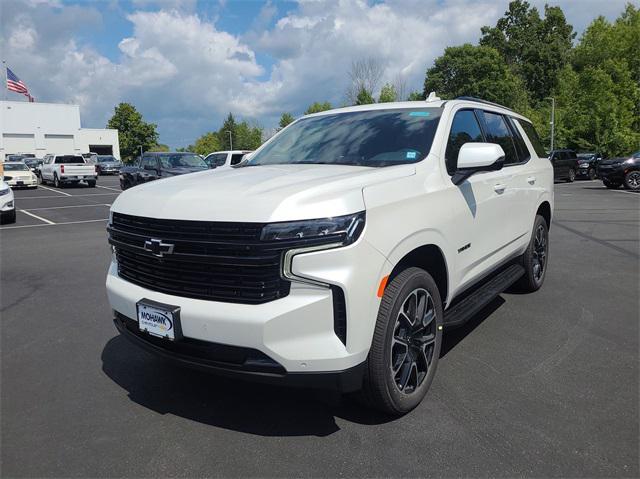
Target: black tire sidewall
{"points": [[406, 282], [626, 181], [530, 283]]}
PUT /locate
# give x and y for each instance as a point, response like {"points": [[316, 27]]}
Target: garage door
{"points": [[59, 144], [18, 143]]}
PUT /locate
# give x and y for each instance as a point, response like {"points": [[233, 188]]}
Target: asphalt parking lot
{"points": [[538, 385]]}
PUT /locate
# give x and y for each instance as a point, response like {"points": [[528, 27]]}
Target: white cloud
{"points": [[185, 74]]}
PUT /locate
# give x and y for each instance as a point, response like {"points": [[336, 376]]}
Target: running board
{"points": [[461, 311]]}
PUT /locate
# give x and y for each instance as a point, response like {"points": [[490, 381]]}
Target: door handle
{"points": [[499, 188], [531, 180]]}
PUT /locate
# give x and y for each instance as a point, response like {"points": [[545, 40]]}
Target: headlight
{"points": [[5, 191], [340, 229], [313, 235], [584, 165], [628, 162]]}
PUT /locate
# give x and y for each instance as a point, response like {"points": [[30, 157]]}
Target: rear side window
{"points": [[218, 159], [532, 134], [521, 147], [236, 157], [464, 129], [66, 159], [498, 132]]}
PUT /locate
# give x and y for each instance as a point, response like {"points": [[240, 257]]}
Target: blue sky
{"points": [[185, 64]]}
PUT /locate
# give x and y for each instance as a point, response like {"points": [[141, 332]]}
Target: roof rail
{"points": [[486, 102]]}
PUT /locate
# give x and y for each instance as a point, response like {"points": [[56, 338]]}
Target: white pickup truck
{"points": [[67, 169], [369, 231]]}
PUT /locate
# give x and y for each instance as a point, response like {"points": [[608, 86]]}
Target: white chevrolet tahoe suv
{"points": [[335, 256]]}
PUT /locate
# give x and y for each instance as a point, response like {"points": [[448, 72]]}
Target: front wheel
{"points": [[406, 343], [632, 180], [592, 174], [535, 258], [572, 175]]}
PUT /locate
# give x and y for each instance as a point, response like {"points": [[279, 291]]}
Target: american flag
{"points": [[15, 84]]}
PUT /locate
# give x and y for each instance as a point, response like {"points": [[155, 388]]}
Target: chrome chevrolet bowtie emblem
{"points": [[157, 248]]}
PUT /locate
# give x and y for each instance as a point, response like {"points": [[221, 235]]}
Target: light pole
{"points": [[553, 118], [230, 140]]}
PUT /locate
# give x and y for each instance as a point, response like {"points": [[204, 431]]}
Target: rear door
{"points": [[149, 169]]}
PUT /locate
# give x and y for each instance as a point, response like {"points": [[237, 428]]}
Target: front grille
{"points": [[216, 261]]}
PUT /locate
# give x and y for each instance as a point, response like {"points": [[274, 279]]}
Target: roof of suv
{"points": [[467, 101]]}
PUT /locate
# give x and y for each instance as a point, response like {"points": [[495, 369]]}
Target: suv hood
{"points": [[258, 193]]}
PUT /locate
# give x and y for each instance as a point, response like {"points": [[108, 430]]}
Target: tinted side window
{"points": [[235, 158], [220, 159], [533, 138], [521, 147], [149, 161], [464, 129], [499, 133], [572, 155]]}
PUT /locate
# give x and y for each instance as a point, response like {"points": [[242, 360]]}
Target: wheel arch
{"points": [[430, 258], [544, 210]]}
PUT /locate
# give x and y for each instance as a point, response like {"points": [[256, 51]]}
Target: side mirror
{"points": [[477, 157]]}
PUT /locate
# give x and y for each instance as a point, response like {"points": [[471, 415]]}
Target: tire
{"points": [[632, 180], [123, 185], [535, 258], [388, 373], [9, 217], [572, 175], [610, 184], [91, 183], [56, 181], [592, 174]]}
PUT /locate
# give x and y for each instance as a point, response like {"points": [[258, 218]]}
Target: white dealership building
{"points": [[42, 128]]}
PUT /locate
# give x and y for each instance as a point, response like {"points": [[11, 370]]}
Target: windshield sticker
{"points": [[411, 155], [419, 113]]}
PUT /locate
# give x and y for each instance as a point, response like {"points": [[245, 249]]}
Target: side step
{"points": [[463, 310]]}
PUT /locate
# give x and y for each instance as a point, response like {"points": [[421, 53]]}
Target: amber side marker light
{"points": [[383, 285]]}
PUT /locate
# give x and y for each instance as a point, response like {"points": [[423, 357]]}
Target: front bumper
{"points": [[7, 204], [613, 173], [297, 331], [238, 362]]}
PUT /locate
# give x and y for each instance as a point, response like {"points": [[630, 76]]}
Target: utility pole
{"points": [[230, 140], [553, 118]]}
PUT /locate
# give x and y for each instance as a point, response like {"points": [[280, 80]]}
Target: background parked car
{"points": [[67, 169], [621, 171], [153, 166], [7, 204], [19, 157], [565, 165], [588, 165], [107, 165], [218, 159], [18, 174], [33, 164]]}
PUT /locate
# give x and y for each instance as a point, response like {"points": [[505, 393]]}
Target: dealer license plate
{"points": [[161, 320]]}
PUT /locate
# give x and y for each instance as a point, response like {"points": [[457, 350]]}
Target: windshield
{"points": [[364, 138], [15, 167], [182, 161], [636, 154], [105, 159]]}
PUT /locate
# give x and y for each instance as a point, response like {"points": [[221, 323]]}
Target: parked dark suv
{"points": [[588, 165], [565, 165], [153, 166], [623, 170]]}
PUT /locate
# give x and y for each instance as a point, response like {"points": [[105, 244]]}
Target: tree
{"points": [[415, 96], [285, 119], [159, 148], [388, 94], [477, 71], [535, 48], [228, 141], [364, 97], [364, 74], [133, 131], [317, 107], [247, 137], [206, 144]]}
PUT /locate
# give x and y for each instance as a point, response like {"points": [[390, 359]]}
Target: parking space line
{"points": [[63, 207], [52, 224], [55, 191], [108, 188], [21, 198], [37, 217], [627, 192]]}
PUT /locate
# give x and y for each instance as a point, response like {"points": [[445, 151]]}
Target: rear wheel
{"points": [[406, 344], [572, 175], [632, 180], [91, 183], [535, 258], [56, 181]]}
